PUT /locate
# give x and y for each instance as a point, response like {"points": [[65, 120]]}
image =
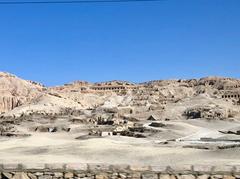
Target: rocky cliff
{"points": [[15, 91]]}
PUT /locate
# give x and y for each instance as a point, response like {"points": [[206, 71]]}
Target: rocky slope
{"points": [[211, 98], [14, 91], [197, 119]]}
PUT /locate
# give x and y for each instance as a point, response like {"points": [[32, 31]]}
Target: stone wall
{"points": [[96, 171]]}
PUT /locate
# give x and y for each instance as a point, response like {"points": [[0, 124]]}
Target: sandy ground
{"points": [[63, 148]]}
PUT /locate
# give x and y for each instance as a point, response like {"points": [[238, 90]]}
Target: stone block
{"points": [[20, 175], [203, 177], [189, 176], [228, 177], [216, 176], [81, 175], [32, 176], [90, 174], [167, 176], [48, 173], [58, 174], [135, 175], [149, 176], [115, 174], [6, 175], [38, 173], [68, 175], [122, 175], [101, 176], [45, 177]]}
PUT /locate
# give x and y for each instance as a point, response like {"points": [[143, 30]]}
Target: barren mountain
{"points": [[211, 97], [116, 118]]}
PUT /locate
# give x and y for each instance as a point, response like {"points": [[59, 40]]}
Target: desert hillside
{"points": [[181, 121], [210, 97]]}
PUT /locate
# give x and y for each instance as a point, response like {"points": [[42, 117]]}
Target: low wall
{"points": [[101, 171]]}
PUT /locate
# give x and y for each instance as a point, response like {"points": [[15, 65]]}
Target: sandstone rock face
{"points": [[15, 91], [8, 103]]}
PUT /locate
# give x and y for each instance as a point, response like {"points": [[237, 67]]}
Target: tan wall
{"points": [[103, 171]]}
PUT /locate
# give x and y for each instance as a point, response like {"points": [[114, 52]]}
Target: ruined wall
{"points": [[95, 171]]}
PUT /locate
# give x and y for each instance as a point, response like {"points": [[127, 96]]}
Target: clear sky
{"points": [[56, 44]]}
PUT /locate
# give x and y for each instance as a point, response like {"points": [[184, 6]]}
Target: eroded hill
{"points": [[211, 97], [120, 118]]}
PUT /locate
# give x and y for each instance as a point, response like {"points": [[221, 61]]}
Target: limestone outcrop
{"points": [[15, 91], [8, 103]]}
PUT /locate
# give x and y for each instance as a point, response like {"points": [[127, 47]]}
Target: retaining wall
{"points": [[101, 171]]}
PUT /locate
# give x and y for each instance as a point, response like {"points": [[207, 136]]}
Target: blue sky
{"points": [[56, 44]]}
